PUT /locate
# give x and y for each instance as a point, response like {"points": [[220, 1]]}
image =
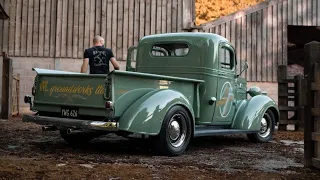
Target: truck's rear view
{"points": [[83, 106], [69, 95], [69, 102], [184, 85]]}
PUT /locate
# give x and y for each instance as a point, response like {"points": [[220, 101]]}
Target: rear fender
{"points": [[250, 112], [146, 115], [127, 99]]}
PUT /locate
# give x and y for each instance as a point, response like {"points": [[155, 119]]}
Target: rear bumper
{"points": [[71, 123]]}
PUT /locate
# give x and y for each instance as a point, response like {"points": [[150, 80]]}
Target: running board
{"points": [[212, 130]]}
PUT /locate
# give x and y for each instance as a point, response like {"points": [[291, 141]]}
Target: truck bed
{"points": [[78, 95]]}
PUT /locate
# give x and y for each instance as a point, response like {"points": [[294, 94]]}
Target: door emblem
{"points": [[226, 99]]}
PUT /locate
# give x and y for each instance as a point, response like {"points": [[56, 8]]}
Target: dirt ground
{"points": [[28, 153]]}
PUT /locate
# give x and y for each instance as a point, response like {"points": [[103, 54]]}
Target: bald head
{"points": [[98, 40]]}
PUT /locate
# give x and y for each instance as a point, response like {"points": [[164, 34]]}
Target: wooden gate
{"points": [[291, 99], [312, 108]]}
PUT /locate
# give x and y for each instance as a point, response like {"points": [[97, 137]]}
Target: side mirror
{"points": [[245, 67]]}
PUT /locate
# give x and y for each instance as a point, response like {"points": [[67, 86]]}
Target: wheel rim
{"points": [[265, 129], [177, 130]]}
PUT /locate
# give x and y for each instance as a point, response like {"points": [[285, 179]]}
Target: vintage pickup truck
{"points": [[183, 85]]}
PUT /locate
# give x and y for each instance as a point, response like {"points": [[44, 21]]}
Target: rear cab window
{"points": [[170, 50]]}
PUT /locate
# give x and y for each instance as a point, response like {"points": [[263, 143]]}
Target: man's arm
{"points": [[85, 62], [114, 63], [84, 66]]}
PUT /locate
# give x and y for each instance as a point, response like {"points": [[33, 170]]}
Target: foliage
{"points": [[208, 10]]}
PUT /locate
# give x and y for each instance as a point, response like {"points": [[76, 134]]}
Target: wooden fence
{"points": [[305, 93], [291, 99], [64, 28], [312, 109]]}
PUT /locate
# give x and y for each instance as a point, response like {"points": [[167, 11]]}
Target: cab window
{"points": [[226, 58], [170, 49]]}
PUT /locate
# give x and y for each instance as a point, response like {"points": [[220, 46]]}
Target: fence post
{"points": [[6, 84], [282, 96], [18, 93], [300, 101], [312, 74]]}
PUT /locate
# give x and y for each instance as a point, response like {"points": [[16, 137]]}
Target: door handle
{"points": [[212, 100]]}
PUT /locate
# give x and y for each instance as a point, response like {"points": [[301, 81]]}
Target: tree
{"points": [[208, 10]]}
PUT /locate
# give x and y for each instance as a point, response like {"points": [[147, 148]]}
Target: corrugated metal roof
{"points": [[3, 14]]}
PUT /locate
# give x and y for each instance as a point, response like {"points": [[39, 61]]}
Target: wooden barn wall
{"points": [[64, 28], [260, 37]]}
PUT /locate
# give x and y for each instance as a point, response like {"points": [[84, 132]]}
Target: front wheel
{"points": [[266, 129], [175, 133]]}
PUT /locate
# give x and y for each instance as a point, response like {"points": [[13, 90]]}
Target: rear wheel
{"points": [[76, 139], [175, 132], [266, 129]]}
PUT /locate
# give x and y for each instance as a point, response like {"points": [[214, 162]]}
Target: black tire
{"points": [[267, 136], [76, 139], [165, 143]]}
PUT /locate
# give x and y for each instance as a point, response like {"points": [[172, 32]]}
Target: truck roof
{"points": [[183, 35]]}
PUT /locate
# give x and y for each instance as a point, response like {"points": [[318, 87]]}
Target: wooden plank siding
{"points": [[47, 29], [65, 28], [12, 26], [262, 40], [42, 17], [5, 26], [18, 28], [1, 25]]}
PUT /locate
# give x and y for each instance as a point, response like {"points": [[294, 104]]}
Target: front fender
{"points": [[146, 115], [250, 112]]}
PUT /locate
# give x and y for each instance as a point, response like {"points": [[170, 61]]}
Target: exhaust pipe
{"points": [[49, 128], [74, 131]]}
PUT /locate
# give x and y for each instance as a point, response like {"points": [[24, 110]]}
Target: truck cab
{"points": [[176, 86], [205, 56]]}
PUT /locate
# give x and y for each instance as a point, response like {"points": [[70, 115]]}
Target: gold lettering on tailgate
{"points": [[43, 86], [87, 90], [99, 90]]}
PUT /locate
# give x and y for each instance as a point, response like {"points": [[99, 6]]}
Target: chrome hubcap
{"points": [[177, 130], [265, 127], [174, 130]]}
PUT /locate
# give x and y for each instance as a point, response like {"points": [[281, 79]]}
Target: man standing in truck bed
{"points": [[98, 57]]}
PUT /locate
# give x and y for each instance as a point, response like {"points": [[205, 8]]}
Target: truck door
{"points": [[225, 106]]}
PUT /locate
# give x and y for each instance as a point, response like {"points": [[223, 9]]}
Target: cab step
{"points": [[201, 131]]}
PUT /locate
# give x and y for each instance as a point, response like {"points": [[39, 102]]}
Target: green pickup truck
{"points": [[182, 86]]}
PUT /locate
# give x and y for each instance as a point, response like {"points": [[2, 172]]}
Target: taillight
{"points": [[33, 90], [108, 104], [109, 108], [27, 99]]}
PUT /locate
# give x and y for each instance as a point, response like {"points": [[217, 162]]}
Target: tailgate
{"points": [[69, 94]]}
